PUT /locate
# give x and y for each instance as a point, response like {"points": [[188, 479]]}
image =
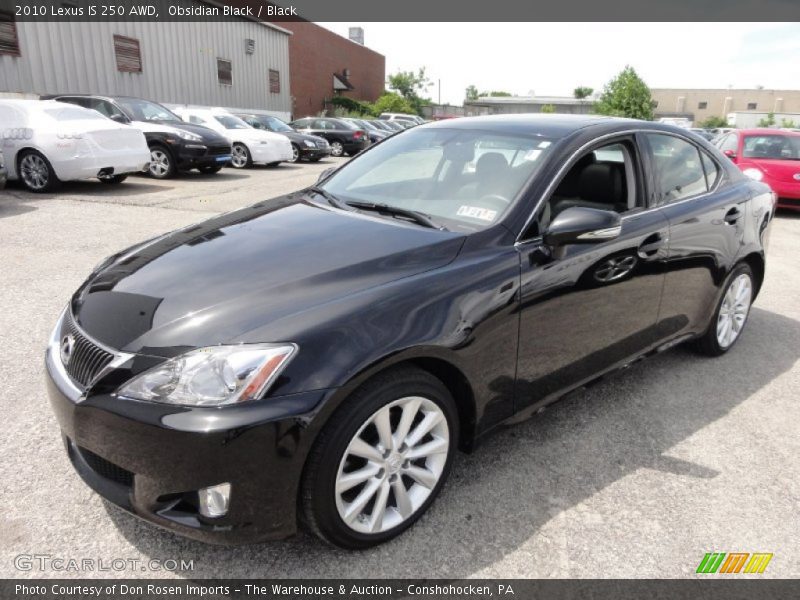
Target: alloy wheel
{"points": [[615, 268], [159, 163], [734, 310], [239, 156], [392, 464], [35, 172], [295, 154], [337, 149]]}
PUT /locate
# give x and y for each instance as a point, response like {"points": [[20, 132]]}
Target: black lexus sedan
{"points": [[343, 137], [174, 144], [320, 357], [310, 147]]}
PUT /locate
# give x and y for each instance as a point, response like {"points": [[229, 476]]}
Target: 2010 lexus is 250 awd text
{"points": [[320, 357]]}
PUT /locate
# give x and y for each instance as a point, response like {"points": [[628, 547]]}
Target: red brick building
{"points": [[322, 64]]}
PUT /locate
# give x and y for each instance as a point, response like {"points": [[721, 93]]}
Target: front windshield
{"points": [[231, 122], [776, 147], [274, 124], [464, 179], [144, 110]]}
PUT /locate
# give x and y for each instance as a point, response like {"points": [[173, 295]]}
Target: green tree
{"points": [[582, 92], [391, 102], [471, 92], [768, 122], [495, 94], [626, 95], [714, 122], [410, 86], [788, 124], [548, 108]]}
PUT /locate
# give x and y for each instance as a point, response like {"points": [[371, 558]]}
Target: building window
{"points": [[752, 106], [224, 71], [128, 54], [9, 42], [274, 81], [702, 105]]}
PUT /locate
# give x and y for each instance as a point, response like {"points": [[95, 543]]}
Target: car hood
{"points": [[779, 170], [209, 135], [213, 282], [296, 136]]}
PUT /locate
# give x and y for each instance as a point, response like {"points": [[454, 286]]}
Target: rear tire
{"points": [[391, 442], [730, 316], [36, 172], [113, 179]]}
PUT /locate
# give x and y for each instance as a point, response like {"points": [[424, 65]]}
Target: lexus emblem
{"points": [[797, 176], [67, 346]]}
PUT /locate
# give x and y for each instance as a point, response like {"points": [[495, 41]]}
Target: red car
{"points": [[768, 155]]}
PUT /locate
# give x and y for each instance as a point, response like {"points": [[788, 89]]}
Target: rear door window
{"points": [[678, 170]]}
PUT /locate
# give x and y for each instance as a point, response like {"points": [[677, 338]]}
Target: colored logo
{"points": [[734, 562]]}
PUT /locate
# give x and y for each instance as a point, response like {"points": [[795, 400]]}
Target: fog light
{"points": [[214, 500]]}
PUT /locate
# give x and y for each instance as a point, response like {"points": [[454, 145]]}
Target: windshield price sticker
{"points": [[476, 212]]}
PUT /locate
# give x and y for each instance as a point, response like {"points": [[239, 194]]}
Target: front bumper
{"points": [[788, 193], [193, 155], [149, 458], [316, 152], [270, 152]]}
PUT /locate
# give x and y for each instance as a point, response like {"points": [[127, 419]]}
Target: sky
{"points": [[552, 59]]}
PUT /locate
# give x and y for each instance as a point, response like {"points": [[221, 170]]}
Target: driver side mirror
{"points": [[326, 173], [580, 225], [730, 154], [120, 119]]}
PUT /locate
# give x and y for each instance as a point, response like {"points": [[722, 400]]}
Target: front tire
{"points": [[240, 156], [162, 165], [295, 154], [36, 172], [381, 460], [731, 313]]}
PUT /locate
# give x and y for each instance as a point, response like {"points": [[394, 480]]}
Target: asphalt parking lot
{"points": [[638, 476]]}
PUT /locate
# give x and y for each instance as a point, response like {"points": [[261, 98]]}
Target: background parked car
{"points": [[343, 137], [403, 118], [49, 142], [374, 133], [703, 133], [174, 145], [310, 147], [249, 145], [385, 126], [3, 172], [768, 155]]}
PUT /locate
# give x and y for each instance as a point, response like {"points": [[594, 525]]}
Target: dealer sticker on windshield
{"points": [[476, 212]]}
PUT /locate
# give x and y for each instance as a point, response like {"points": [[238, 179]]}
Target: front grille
{"points": [[217, 150], [86, 359], [106, 469]]}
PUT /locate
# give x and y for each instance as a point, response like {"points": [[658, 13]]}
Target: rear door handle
{"points": [[651, 245], [732, 216]]}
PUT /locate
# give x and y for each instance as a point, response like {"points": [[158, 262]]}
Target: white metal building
{"points": [[234, 63]]}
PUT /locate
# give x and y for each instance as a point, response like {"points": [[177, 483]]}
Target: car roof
{"points": [[767, 131], [548, 125]]}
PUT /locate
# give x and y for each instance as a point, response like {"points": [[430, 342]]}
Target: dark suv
{"points": [[344, 137], [174, 144]]}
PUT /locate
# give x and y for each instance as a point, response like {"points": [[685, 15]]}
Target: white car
{"points": [[249, 145], [47, 142]]}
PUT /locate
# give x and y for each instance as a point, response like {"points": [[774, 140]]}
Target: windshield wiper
{"points": [[332, 200], [418, 217]]}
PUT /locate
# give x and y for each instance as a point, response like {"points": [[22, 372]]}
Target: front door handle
{"points": [[651, 245], [732, 216]]}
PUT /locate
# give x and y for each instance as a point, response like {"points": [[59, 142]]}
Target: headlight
{"points": [[186, 135], [212, 376], [309, 144], [754, 174]]}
